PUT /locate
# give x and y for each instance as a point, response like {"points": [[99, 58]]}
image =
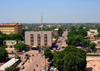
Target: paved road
{"points": [[63, 38], [31, 64]]}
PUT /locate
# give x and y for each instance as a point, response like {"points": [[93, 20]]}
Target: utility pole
{"points": [[41, 36]]}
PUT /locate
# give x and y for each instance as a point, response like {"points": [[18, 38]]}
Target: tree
{"points": [[92, 46], [86, 43], [72, 28], [12, 68], [3, 53], [82, 32], [20, 46], [98, 30], [17, 37], [48, 54], [75, 40], [81, 27], [70, 59], [60, 31]]}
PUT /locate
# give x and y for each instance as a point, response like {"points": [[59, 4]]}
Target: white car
{"points": [[23, 51], [11, 56], [52, 68]]}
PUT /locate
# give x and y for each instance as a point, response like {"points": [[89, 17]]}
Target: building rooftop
{"points": [[8, 64], [9, 24]]}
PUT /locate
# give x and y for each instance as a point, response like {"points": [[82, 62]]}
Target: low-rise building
{"points": [[58, 25], [37, 38], [92, 32], [10, 45], [26, 27]]}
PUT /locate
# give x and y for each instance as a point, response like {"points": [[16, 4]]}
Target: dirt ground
{"points": [[93, 63]]}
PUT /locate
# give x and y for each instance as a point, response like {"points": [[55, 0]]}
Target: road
{"points": [[63, 38], [33, 60]]}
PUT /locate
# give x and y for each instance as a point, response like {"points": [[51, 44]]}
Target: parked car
{"points": [[22, 67], [58, 48], [11, 56], [52, 68], [23, 51], [27, 55]]}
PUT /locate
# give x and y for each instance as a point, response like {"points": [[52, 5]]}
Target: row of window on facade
{"points": [[38, 39]]}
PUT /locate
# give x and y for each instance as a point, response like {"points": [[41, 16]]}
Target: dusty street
{"points": [[33, 60], [93, 63]]}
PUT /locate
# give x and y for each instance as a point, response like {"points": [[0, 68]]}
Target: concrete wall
{"points": [[35, 33]]}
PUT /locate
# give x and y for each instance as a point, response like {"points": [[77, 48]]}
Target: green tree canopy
{"points": [[70, 59], [20, 46], [12, 68], [17, 36], [92, 46], [3, 53], [81, 27], [82, 32], [72, 28], [48, 54]]}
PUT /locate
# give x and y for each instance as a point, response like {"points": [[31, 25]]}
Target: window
{"points": [[38, 40], [45, 44], [10, 46], [5, 43], [38, 43], [45, 40], [31, 40]]}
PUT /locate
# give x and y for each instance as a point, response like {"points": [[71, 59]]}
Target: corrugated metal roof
{"points": [[8, 64]]}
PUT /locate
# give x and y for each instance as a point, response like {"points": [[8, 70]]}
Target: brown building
{"points": [[36, 38], [8, 28], [55, 32]]}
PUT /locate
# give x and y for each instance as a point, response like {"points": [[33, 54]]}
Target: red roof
{"points": [[9, 24]]}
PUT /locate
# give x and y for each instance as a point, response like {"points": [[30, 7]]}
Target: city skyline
{"points": [[59, 11]]}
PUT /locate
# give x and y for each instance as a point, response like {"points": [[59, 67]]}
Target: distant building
{"points": [[10, 45], [92, 32], [50, 26], [26, 27], [58, 25], [8, 28], [55, 32], [34, 38], [84, 27], [42, 26]]}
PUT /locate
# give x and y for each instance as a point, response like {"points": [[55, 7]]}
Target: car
{"points": [[58, 48], [53, 48], [22, 67], [27, 55], [11, 56], [52, 68], [23, 51], [62, 46]]}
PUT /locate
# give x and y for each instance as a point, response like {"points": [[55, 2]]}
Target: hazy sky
{"points": [[54, 11]]}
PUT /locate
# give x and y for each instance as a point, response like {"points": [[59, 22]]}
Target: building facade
{"points": [[92, 32], [55, 32], [36, 38], [8, 28], [10, 45]]}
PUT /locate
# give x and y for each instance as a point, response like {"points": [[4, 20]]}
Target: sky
{"points": [[53, 11]]}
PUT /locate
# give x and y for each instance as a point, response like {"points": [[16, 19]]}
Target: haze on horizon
{"points": [[54, 11]]}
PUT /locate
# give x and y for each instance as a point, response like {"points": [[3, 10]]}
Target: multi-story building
{"points": [[55, 32], [37, 38], [8, 28], [10, 45]]}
